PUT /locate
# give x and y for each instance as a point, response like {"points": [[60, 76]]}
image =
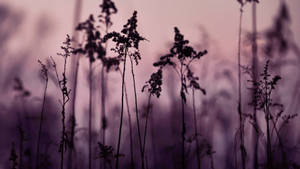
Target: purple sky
{"points": [[158, 17]]}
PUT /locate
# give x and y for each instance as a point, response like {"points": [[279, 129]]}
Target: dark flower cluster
{"points": [[108, 7], [67, 48], [128, 40], [154, 84], [264, 88], [180, 58], [92, 45]]}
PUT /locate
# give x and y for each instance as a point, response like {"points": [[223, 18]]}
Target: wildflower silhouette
{"points": [[154, 88], [127, 44], [273, 112], [180, 58], [44, 74], [92, 47], [62, 84]]}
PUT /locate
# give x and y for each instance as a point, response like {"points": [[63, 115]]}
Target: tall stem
{"points": [[183, 119], [146, 124], [90, 113], [122, 110], [196, 132], [137, 114], [130, 126], [267, 117], [41, 126], [74, 71], [103, 121], [254, 74], [241, 128]]}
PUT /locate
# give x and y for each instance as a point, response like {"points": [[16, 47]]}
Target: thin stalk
{"points": [[122, 110], [21, 138], [21, 146], [63, 135], [137, 114], [65, 99], [146, 124], [130, 125], [196, 132], [74, 70], [152, 140], [182, 120], [241, 127], [255, 74], [103, 121], [90, 113], [284, 160], [103, 95], [41, 126], [267, 117]]}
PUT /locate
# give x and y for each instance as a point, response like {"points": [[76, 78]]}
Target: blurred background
{"points": [[35, 29]]}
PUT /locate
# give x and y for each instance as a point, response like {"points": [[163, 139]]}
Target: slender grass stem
{"points": [[130, 126], [254, 73], [241, 120], [146, 123], [90, 113], [137, 114], [196, 131], [122, 110], [41, 125]]}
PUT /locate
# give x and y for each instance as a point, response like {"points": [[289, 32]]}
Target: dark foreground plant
{"points": [[92, 47], [127, 45], [107, 9], [180, 58]]}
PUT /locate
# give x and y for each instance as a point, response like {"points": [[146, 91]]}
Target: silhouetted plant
{"points": [[273, 111], [194, 85], [255, 76], [154, 88], [239, 108], [183, 55], [44, 74], [127, 44], [62, 84], [130, 125], [107, 9], [91, 47], [74, 67]]}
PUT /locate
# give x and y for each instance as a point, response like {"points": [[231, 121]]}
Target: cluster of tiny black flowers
{"points": [[108, 7], [92, 46], [128, 40], [180, 58], [154, 84]]}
